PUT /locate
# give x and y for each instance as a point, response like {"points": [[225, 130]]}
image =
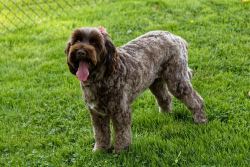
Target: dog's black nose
{"points": [[80, 53]]}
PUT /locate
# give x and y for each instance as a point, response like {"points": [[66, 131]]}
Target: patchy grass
{"points": [[45, 123]]}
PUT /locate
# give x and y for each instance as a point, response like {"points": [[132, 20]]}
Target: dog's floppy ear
{"points": [[66, 51], [72, 69], [111, 56]]}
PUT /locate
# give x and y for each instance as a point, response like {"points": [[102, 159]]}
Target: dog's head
{"points": [[88, 49]]}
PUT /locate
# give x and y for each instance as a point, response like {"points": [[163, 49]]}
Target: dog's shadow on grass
{"points": [[180, 116]]}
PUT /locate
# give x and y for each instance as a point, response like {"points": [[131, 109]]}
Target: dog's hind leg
{"points": [[164, 98], [178, 76], [178, 81]]}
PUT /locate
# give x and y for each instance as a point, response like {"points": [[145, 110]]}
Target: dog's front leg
{"points": [[101, 127], [121, 120]]}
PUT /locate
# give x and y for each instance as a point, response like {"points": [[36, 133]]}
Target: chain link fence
{"points": [[16, 14]]}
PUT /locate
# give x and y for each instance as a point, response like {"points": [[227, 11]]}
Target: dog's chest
{"points": [[97, 99]]}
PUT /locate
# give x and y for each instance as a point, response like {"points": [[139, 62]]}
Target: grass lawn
{"points": [[43, 120]]}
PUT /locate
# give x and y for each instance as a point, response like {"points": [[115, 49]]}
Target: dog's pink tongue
{"points": [[83, 71]]}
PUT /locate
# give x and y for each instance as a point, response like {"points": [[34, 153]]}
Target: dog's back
{"points": [[156, 46]]}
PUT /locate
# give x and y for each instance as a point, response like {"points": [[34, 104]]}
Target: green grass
{"points": [[43, 121]]}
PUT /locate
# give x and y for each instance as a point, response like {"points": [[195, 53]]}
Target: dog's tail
{"points": [[190, 73], [185, 47]]}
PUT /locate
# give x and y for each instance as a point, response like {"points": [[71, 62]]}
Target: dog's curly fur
{"points": [[156, 60]]}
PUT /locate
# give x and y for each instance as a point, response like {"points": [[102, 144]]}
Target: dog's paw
{"points": [[102, 149], [118, 150], [165, 110], [166, 107], [200, 119]]}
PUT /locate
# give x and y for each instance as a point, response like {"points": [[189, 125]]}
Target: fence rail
{"points": [[15, 14]]}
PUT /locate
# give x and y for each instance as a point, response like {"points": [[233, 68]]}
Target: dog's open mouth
{"points": [[83, 71]]}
